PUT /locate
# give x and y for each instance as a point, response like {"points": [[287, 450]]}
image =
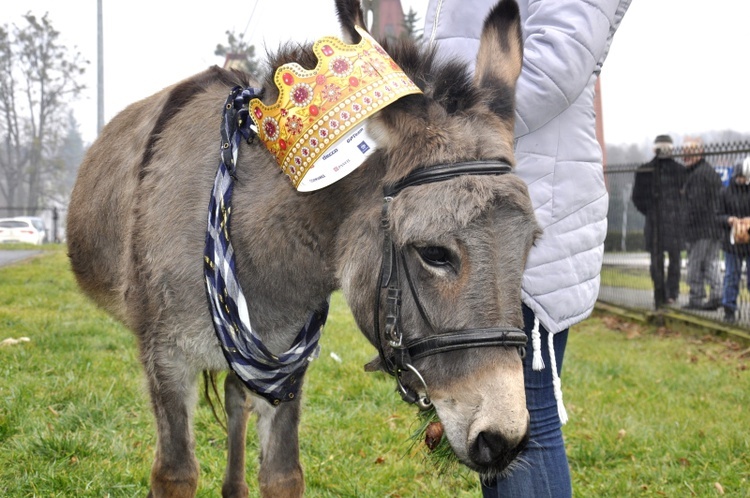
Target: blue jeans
{"points": [[544, 472], [732, 277]]}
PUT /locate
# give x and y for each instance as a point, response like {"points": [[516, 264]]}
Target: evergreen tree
{"points": [[241, 55], [69, 157], [411, 23]]}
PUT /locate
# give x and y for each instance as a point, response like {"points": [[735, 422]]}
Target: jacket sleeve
{"points": [[642, 190], [718, 194], [565, 42], [722, 210]]}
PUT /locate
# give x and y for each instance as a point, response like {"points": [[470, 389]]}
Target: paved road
{"points": [[8, 257]]}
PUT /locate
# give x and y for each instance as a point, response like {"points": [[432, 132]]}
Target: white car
{"points": [[22, 229], [38, 224]]}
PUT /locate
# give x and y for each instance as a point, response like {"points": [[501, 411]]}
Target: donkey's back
{"points": [[108, 203]]}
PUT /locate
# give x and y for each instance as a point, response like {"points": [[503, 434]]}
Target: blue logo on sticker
{"points": [[363, 147]]}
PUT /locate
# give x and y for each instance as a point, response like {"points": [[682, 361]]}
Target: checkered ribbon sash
{"points": [[276, 378]]}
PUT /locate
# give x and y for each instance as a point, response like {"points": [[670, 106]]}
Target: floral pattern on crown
{"points": [[317, 107]]}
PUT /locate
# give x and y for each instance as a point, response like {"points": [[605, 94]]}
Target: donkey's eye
{"points": [[435, 255]]}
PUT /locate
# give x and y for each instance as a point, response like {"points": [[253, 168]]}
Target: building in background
{"points": [[386, 16]]}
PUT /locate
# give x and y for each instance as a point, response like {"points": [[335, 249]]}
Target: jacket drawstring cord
{"points": [[536, 342], [556, 381], [537, 365]]}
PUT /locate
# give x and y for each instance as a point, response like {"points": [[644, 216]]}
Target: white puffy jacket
{"points": [[557, 154]]}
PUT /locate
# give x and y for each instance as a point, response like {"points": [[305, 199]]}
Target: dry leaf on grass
{"points": [[632, 330]]}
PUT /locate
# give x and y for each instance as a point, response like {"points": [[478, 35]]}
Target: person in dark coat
{"points": [[702, 233], [657, 195], [733, 217]]}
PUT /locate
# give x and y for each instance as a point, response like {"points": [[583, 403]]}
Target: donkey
{"points": [[137, 227]]}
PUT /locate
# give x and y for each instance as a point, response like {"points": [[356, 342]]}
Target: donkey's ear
{"points": [[350, 14], [500, 50]]}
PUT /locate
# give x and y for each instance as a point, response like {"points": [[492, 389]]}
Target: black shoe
{"points": [[711, 305], [729, 316], [692, 306]]}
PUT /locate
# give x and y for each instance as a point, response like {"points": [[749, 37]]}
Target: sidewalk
{"points": [[8, 257]]}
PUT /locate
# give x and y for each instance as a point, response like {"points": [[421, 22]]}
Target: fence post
{"points": [[657, 242], [55, 217]]}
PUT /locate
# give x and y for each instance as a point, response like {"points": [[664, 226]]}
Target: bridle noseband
{"points": [[403, 353]]}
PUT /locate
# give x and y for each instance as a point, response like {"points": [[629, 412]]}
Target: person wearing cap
{"points": [[558, 156], [657, 195], [733, 217], [701, 200]]}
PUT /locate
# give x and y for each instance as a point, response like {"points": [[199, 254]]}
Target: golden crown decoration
{"points": [[316, 129]]}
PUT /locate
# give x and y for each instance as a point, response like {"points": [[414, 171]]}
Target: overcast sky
{"points": [[676, 66]]}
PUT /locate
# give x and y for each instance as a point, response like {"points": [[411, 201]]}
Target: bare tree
{"points": [[38, 78]]}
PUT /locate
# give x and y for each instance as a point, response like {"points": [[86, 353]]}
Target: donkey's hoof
{"points": [[282, 487]]}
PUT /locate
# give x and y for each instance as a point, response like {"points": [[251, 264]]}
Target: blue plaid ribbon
{"points": [[276, 378]]}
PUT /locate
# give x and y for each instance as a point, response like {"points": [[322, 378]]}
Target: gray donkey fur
{"points": [[137, 222]]}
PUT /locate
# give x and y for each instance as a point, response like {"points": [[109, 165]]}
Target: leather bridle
{"points": [[399, 356]]}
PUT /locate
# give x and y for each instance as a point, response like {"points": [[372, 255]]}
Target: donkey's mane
{"points": [[180, 96]]}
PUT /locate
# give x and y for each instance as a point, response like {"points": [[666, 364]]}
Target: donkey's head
{"points": [[455, 245]]}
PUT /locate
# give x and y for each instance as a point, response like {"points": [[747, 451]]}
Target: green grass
{"points": [[632, 278], [655, 413], [652, 414]]}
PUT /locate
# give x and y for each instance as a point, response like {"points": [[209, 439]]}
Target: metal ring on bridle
{"points": [[423, 399]]}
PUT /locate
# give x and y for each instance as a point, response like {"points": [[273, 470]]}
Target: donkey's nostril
{"points": [[489, 447]]}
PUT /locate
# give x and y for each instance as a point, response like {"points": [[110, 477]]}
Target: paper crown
{"points": [[315, 130]]}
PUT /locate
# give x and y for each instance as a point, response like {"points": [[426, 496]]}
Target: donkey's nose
{"points": [[493, 450]]}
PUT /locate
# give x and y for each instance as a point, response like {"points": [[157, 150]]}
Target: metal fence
{"points": [[53, 217], [680, 212]]}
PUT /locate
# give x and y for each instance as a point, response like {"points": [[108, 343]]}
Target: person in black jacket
{"points": [[701, 200], [734, 217], [657, 195]]}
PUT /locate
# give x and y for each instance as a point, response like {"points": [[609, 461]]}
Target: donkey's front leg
{"points": [[280, 472], [172, 386], [238, 406]]}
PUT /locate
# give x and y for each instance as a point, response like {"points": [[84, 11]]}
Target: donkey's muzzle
{"points": [[494, 451]]}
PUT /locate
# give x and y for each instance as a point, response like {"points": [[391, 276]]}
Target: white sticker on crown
{"points": [[341, 158]]}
